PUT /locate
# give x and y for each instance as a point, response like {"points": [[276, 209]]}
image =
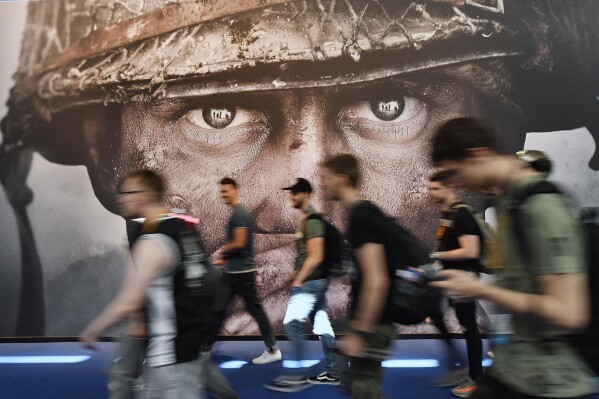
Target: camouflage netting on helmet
{"points": [[298, 31]]}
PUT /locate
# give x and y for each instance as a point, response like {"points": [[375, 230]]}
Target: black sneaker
{"points": [[324, 378]]}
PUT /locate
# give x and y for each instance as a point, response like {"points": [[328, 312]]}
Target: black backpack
{"points": [[203, 280], [412, 298], [200, 275], [337, 254], [587, 341]]}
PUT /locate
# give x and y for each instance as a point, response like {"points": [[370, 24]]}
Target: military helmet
{"points": [[77, 51]]}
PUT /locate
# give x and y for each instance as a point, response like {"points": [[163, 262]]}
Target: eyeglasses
{"points": [[122, 193]]}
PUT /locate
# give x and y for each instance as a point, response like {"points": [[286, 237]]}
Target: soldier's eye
{"points": [[387, 120], [222, 126], [387, 109], [390, 110], [217, 117]]}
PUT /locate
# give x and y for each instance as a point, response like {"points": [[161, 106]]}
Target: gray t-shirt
{"points": [[241, 260]]}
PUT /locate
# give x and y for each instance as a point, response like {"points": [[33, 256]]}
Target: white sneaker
{"points": [[268, 357]]}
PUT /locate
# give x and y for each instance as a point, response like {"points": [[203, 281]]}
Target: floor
{"points": [[65, 370]]}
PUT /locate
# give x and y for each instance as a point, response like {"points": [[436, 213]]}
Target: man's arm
{"points": [[315, 249], [240, 239], [370, 258], [468, 238], [554, 255], [150, 258], [563, 302], [375, 284], [469, 249]]}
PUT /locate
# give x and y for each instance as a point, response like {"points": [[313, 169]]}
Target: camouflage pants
{"points": [[491, 388], [366, 374]]}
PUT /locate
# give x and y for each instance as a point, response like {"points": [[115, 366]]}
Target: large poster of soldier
{"points": [[261, 91]]}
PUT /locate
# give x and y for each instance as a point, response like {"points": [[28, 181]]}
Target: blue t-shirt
{"points": [[241, 260]]}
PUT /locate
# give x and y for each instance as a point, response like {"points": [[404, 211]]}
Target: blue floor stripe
{"points": [[42, 359]]}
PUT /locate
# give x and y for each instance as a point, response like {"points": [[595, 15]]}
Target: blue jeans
{"points": [[309, 302]]}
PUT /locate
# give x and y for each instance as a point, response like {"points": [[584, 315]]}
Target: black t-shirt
{"points": [[456, 222], [368, 224]]}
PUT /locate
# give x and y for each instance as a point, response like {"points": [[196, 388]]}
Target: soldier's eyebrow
{"points": [[376, 90], [170, 109]]}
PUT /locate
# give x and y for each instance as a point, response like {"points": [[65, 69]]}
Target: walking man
{"points": [[371, 328], [240, 268], [307, 300], [459, 247], [543, 281], [156, 283]]}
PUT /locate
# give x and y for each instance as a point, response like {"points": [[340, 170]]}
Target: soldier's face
{"points": [[264, 139]]}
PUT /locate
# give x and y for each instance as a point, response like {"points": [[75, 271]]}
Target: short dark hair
{"points": [[228, 180], [441, 176], [455, 137], [346, 165], [150, 179]]}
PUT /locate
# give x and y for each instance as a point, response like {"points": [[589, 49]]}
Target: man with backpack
{"points": [[459, 247], [371, 315], [308, 286], [543, 282], [156, 283]]}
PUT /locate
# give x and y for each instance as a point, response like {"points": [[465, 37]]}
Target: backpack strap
{"points": [[516, 206], [460, 205], [543, 187]]}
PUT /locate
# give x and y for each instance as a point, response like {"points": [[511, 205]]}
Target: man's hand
{"points": [[88, 338], [352, 345], [297, 283], [218, 258], [459, 283], [291, 279]]}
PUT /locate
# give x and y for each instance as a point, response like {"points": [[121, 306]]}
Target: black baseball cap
{"points": [[299, 185]]}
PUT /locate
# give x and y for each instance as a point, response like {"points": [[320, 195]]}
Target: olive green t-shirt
{"points": [[308, 228], [555, 245]]}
